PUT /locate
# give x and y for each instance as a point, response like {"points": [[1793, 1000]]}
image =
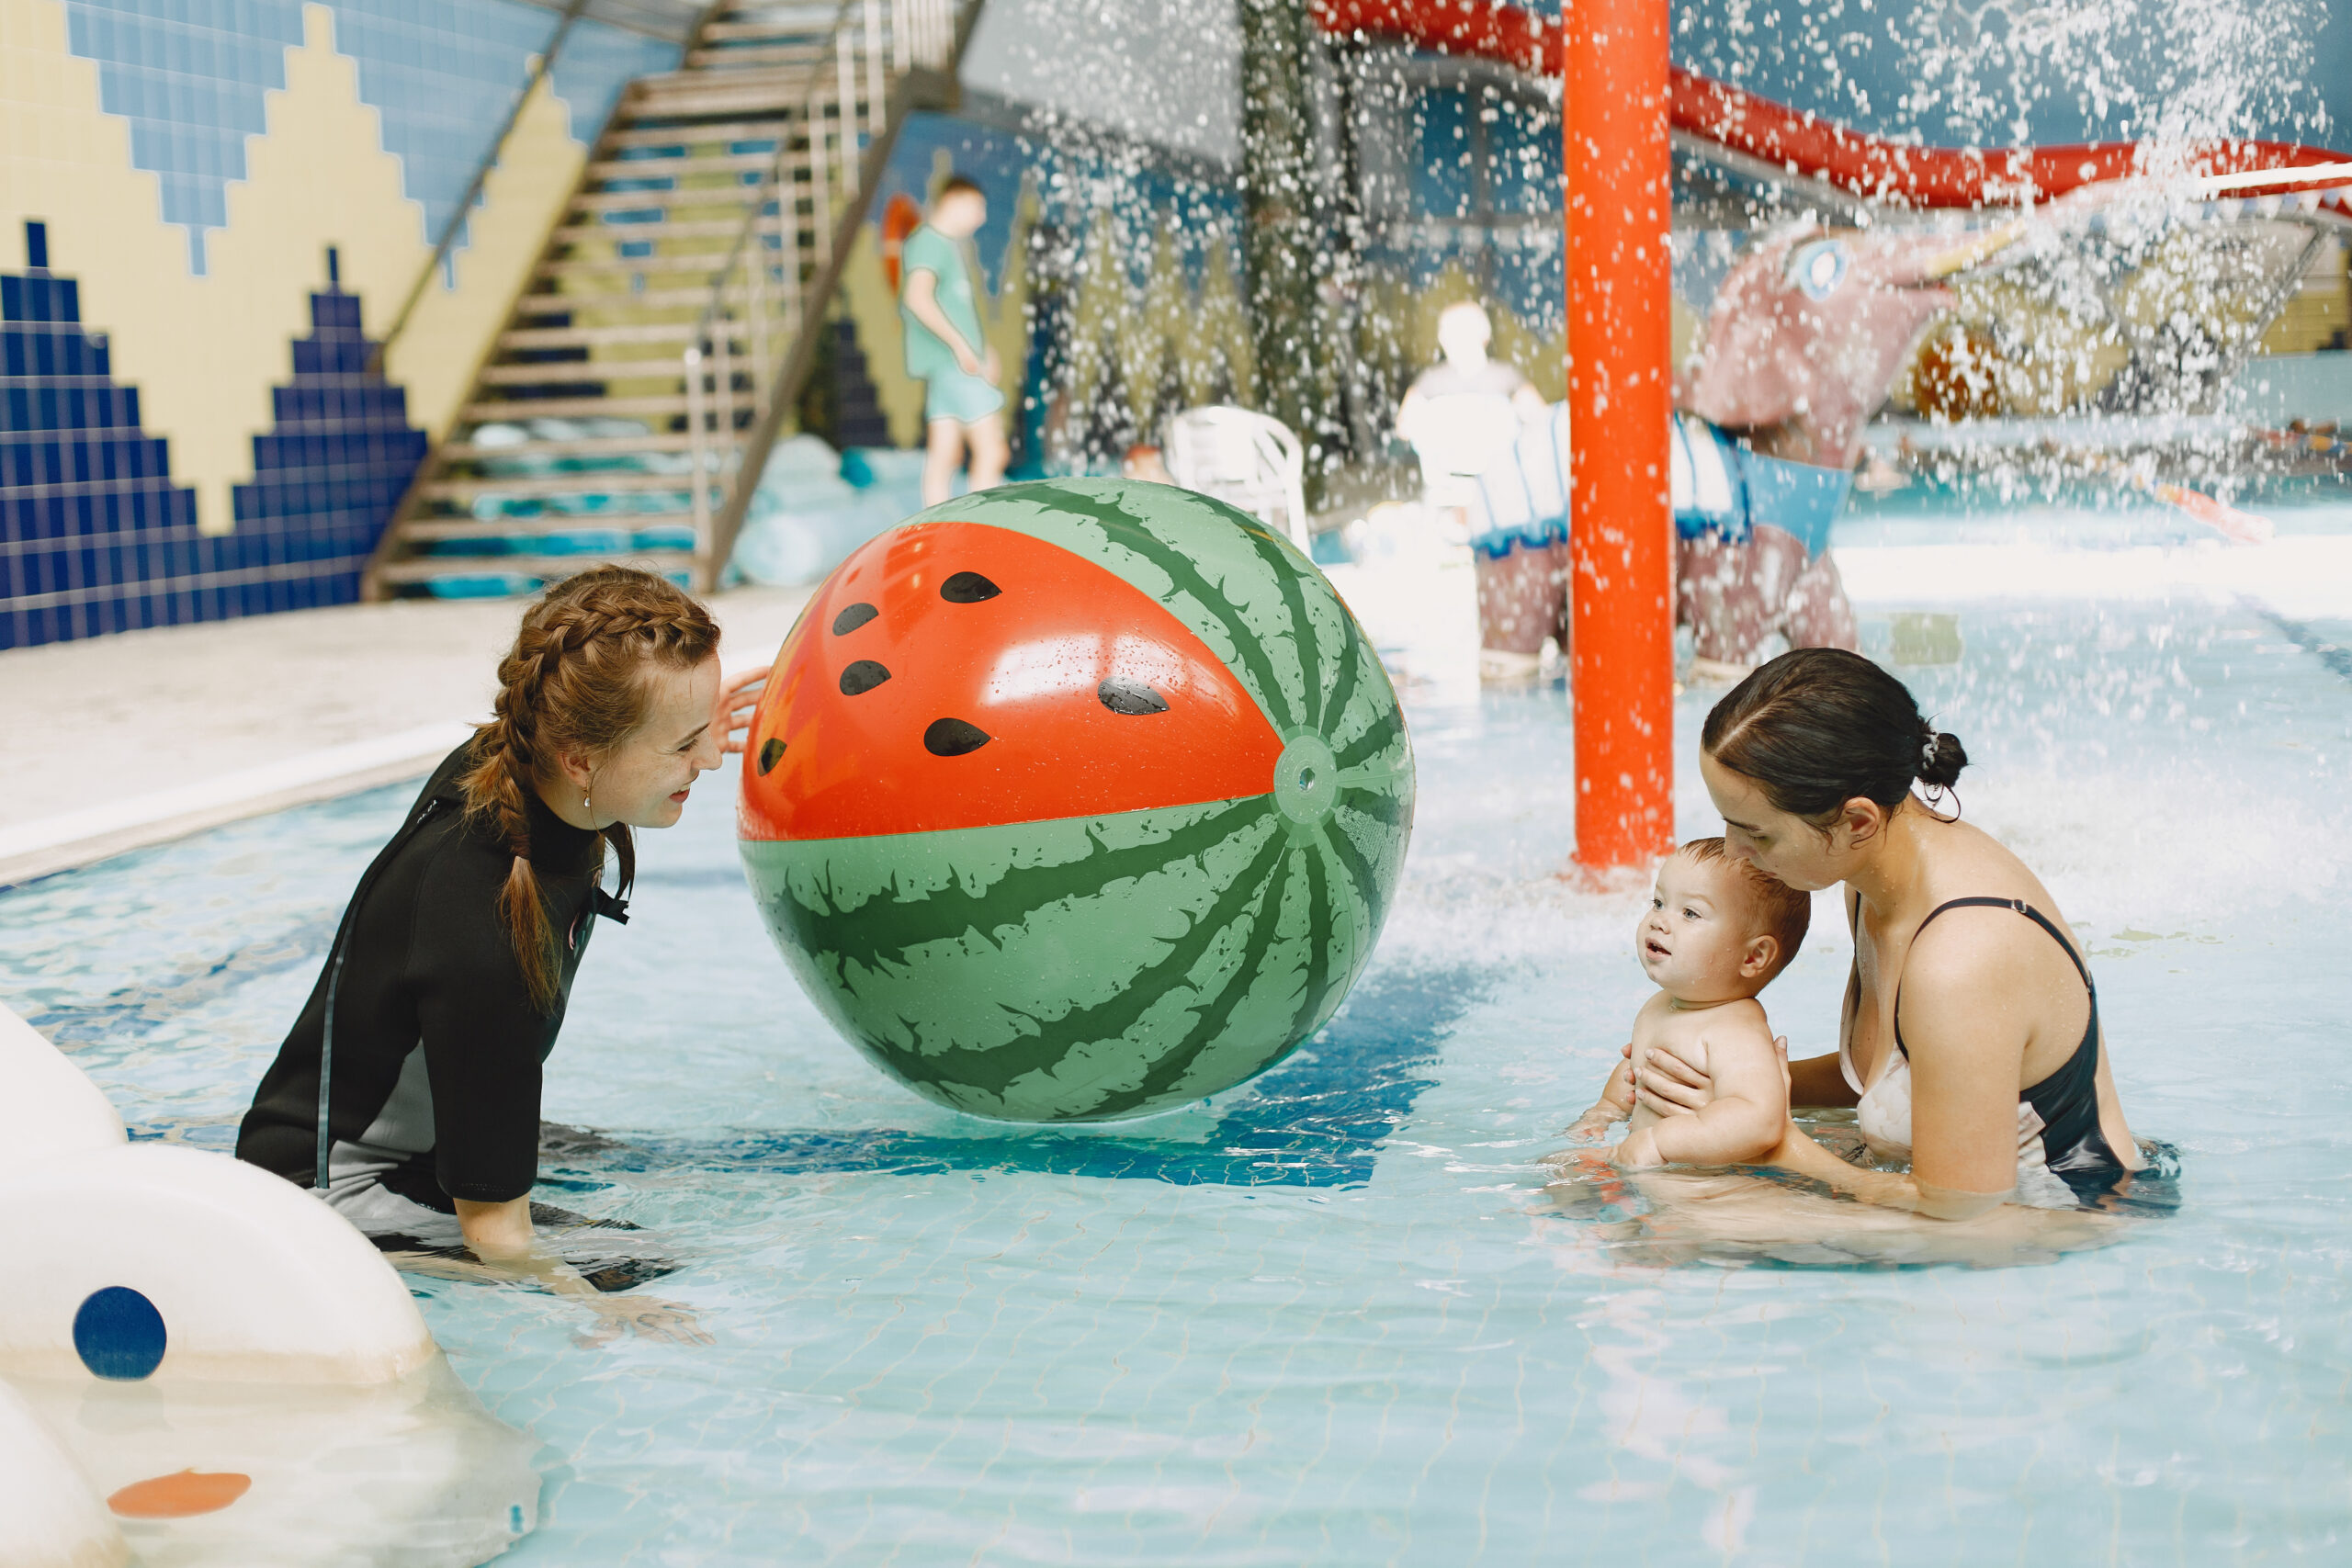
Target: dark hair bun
{"points": [[1941, 756]]}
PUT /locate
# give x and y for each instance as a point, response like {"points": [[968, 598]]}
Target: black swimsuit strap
{"points": [[2022, 908]]}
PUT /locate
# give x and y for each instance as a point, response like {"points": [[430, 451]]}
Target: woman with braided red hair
{"points": [[407, 1093]]}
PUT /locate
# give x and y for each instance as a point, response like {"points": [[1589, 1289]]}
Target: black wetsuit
{"points": [[437, 1048]]}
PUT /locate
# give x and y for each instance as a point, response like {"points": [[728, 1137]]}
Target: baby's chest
{"points": [[1678, 1034]]}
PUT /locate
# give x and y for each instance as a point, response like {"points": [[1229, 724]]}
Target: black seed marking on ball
{"points": [[770, 753], [1123, 694], [856, 616], [952, 738], [863, 676], [967, 588]]}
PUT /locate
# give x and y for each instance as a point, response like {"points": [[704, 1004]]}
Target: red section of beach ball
{"points": [[960, 675]]}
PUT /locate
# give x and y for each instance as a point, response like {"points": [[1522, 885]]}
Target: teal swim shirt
{"points": [[953, 268]]}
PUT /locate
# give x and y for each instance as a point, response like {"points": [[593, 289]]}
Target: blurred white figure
{"points": [[1462, 413], [1245, 460]]}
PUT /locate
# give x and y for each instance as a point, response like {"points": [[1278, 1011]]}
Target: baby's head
{"points": [[1717, 927]]}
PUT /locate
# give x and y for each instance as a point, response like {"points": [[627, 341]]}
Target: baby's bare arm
{"points": [[1744, 1120], [1616, 1100]]}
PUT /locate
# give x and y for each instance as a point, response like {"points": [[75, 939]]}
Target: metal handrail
{"points": [[836, 176], [540, 68]]}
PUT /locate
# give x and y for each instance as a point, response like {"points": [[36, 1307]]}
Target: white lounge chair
{"points": [[1245, 460]]}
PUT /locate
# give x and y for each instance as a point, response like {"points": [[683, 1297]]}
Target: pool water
{"points": [[1333, 1316]]}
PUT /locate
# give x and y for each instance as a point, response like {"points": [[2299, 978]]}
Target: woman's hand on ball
{"points": [[738, 696]]}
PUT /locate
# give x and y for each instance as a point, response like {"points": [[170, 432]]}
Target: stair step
{"points": [[794, 78], [745, 55], [612, 483], [655, 168], [696, 271], [760, 21], [691, 229], [427, 530], [814, 16], [426, 569], [751, 93], [549, 372], [737, 197], [584, 447], [573, 408], [694, 135], [702, 265], [676, 332], [813, 30], [650, 300]]}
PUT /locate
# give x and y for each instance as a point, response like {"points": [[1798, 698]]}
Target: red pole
{"points": [[1620, 398]]}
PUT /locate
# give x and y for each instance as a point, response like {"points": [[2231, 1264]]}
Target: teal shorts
{"points": [[966, 400]]}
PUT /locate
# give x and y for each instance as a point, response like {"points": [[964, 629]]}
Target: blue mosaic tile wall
{"points": [[327, 478], [86, 501], [190, 76], [94, 535]]}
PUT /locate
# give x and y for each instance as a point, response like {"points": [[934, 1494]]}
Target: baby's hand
{"points": [[1595, 1122], [1638, 1152], [1616, 1102]]}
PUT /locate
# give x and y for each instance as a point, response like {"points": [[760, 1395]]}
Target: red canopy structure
{"points": [[1895, 173]]}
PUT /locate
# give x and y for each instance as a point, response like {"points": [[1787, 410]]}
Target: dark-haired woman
{"points": [[408, 1091], [1969, 1041]]}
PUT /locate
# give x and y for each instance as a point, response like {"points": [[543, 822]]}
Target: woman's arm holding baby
{"points": [[1744, 1120], [1966, 1030], [1672, 1087]]}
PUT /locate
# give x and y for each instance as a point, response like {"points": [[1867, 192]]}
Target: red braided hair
{"points": [[573, 682]]}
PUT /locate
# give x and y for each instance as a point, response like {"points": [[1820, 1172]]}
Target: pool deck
{"points": [[132, 739]]}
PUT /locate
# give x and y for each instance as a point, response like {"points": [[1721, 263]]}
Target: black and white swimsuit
{"points": [[2064, 1158], [437, 1048]]}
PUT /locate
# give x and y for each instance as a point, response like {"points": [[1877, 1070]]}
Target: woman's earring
{"points": [[587, 809]]}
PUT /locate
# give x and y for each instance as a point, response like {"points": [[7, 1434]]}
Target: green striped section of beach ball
{"points": [[1090, 968]]}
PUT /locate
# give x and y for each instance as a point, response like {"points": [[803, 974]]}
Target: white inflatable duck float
{"points": [[201, 1364]]}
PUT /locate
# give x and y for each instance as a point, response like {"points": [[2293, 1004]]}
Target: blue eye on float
{"points": [[1819, 267], [119, 1334]]}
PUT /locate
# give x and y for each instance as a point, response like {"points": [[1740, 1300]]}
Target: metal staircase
{"points": [[666, 333]]}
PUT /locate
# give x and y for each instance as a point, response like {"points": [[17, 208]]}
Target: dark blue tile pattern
{"points": [[94, 535], [327, 479]]}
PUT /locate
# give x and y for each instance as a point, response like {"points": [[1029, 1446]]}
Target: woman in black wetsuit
{"points": [[446, 984], [1969, 1039]]}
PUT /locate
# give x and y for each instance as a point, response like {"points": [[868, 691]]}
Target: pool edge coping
{"points": [[45, 846], [70, 840]]}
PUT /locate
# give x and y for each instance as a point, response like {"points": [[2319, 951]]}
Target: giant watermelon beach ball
{"points": [[1076, 800]]}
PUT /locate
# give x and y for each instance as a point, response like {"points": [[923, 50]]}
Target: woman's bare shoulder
{"points": [[1963, 860]]}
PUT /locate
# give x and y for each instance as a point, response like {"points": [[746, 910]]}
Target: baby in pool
{"points": [[1717, 931]]}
